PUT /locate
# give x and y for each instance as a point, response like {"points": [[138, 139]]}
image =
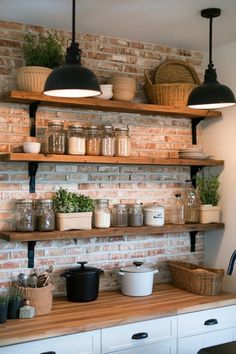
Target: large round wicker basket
{"points": [[32, 78], [40, 298]]}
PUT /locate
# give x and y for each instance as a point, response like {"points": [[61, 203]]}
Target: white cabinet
{"points": [[201, 329], [82, 343], [156, 336]]}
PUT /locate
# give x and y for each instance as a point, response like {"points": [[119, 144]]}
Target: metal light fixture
{"points": [[211, 94], [72, 79]]}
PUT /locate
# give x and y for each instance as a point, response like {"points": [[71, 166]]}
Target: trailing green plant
{"points": [[15, 294], [208, 189], [45, 50], [71, 202]]}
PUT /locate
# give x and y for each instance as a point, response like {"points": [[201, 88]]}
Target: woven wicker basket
{"points": [[195, 279], [40, 298], [175, 94], [172, 71], [32, 78]]}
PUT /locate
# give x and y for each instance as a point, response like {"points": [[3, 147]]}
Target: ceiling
{"points": [[176, 23]]}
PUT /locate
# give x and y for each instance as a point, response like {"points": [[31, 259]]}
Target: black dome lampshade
{"points": [[211, 94], [72, 79]]}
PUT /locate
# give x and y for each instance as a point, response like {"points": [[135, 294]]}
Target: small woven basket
{"points": [[195, 279], [40, 298], [174, 94]]}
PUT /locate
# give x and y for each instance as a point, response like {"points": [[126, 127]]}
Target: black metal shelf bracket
{"points": [[194, 123], [32, 166], [193, 240], [31, 246], [32, 170]]}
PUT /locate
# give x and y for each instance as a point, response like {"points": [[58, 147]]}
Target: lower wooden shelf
{"points": [[110, 232]]}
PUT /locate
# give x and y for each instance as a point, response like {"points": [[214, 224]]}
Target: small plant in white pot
{"points": [[208, 191], [73, 210]]}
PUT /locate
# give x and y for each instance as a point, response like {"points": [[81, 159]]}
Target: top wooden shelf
{"points": [[108, 106]]}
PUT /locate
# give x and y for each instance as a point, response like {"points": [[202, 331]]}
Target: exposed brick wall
{"points": [[151, 136]]}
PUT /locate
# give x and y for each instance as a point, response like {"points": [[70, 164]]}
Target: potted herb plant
{"points": [[3, 307], [208, 191], [73, 210], [14, 303], [42, 53]]}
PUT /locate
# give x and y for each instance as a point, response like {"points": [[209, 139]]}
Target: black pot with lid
{"points": [[82, 283]]}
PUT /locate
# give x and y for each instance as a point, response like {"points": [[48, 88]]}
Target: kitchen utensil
{"points": [[154, 215], [22, 279], [82, 283], [137, 280]]}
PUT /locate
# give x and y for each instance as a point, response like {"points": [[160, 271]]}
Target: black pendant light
{"points": [[72, 79], [211, 94]]}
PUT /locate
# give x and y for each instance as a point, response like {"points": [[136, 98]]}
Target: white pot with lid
{"points": [[154, 215], [137, 280]]}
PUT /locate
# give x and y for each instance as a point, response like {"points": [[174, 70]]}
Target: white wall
{"points": [[219, 139]]}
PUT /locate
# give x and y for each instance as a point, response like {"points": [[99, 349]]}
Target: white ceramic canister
{"points": [[137, 280], [154, 215]]}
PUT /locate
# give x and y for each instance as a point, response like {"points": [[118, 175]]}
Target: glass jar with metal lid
{"points": [[135, 215], [56, 138], [45, 215], [102, 216], [25, 215], [76, 142], [122, 142], [120, 215], [92, 141], [107, 141]]}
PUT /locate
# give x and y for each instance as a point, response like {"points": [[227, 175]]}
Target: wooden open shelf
{"points": [[14, 157], [110, 232], [107, 105]]}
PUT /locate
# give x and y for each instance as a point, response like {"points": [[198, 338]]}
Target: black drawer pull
{"points": [[140, 335], [211, 322]]}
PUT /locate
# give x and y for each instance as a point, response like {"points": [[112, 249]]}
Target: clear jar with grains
{"points": [[122, 142], [191, 204], [76, 142], [107, 141], [120, 215], [25, 215], [45, 215], [56, 138], [92, 141], [135, 215], [102, 216]]}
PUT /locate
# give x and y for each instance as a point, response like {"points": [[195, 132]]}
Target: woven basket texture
{"points": [[171, 71], [40, 298], [195, 279], [32, 78]]}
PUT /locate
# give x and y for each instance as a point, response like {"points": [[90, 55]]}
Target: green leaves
{"points": [[43, 50], [70, 202], [208, 189]]}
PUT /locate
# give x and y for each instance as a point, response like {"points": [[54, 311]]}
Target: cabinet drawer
{"points": [[157, 348], [82, 343], [138, 334], [206, 321]]}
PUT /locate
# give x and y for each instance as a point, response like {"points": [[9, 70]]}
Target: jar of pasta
{"points": [[56, 138], [122, 142], [92, 141], [107, 141]]}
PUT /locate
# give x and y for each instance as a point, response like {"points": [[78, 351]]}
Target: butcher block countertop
{"points": [[110, 309]]}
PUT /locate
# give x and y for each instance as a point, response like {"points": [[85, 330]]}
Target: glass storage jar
{"points": [[45, 215], [120, 215], [122, 142], [56, 138], [102, 216], [76, 142], [92, 141], [178, 210], [107, 141], [191, 204], [25, 215], [135, 215]]}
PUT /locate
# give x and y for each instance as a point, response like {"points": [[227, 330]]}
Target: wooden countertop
{"points": [[110, 309]]}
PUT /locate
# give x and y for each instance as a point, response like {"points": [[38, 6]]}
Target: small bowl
{"points": [[31, 147], [106, 92]]}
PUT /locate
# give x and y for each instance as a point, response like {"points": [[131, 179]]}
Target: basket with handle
{"points": [[196, 279]]}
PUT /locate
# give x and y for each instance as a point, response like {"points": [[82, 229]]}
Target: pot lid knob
{"points": [[138, 264], [82, 264]]}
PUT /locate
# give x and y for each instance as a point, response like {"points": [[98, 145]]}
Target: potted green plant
{"points": [[14, 303], [42, 53], [73, 210], [208, 191], [3, 307]]}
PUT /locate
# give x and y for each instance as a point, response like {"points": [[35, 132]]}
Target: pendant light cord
{"points": [[211, 65], [73, 21], [73, 53]]}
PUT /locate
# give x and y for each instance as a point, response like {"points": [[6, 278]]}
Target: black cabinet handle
{"points": [[211, 322], [140, 335]]}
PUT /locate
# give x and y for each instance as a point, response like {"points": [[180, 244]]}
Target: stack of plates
{"points": [[193, 153]]}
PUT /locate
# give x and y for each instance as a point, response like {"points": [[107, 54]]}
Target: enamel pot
{"points": [[137, 280], [82, 283]]}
